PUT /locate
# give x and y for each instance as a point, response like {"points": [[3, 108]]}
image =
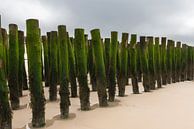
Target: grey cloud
{"points": [[171, 18]]}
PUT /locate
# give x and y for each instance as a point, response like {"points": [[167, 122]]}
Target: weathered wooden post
{"points": [[169, 61], [35, 73], [151, 62], [178, 61], [80, 50], [64, 71], [13, 66], [21, 61], [122, 74], [173, 62], [6, 50], [72, 72], [53, 66], [184, 62], [133, 63], [100, 67], [158, 68], [163, 61], [91, 66], [144, 63], [5, 109], [46, 60], [107, 56], [112, 67], [189, 64]]}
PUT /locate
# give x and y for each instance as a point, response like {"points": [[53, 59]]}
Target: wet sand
{"points": [[171, 107]]}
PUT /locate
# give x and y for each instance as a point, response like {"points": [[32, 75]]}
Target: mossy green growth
{"points": [[72, 69], [173, 62], [13, 66], [123, 61], [113, 64], [46, 60], [5, 109], [6, 50], [151, 62], [164, 60], [81, 60], [49, 61], [107, 55], [53, 66], [133, 63], [21, 61], [35, 73], [86, 45], [178, 61], [184, 57], [158, 68], [169, 61], [144, 63], [91, 66], [190, 64], [118, 64], [100, 67], [64, 71], [139, 70]]}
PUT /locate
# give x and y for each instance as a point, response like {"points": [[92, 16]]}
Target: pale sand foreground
{"points": [[171, 107]]}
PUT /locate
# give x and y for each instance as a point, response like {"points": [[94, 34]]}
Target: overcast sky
{"points": [[172, 18]]}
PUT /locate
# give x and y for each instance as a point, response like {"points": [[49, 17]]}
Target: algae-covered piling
{"points": [[5, 109], [100, 67], [144, 63], [35, 73], [21, 61], [133, 63], [123, 63], [53, 66], [81, 60], [163, 61], [113, 64], [13, 66], [64, 71], [158, 69]]}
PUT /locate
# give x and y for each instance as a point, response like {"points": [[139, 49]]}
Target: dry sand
{"points": [[171, 107]]}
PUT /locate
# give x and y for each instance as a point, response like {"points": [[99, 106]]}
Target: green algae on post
{"points": [[169, 61], [5, 109], [113, 64], [107, 55], [91, 66], [190, 64], [46, 60], [64, 71], [35, 73], [158, 62], [173, 62], [123, 63], [72, 69], [81, 60], [53, 66], [144, 63], [13, 66], [151, 62], [133, 63], [21, 61], [163, 60], [100, 67], [6, 50]]}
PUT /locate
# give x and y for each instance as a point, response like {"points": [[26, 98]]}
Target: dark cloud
{"points": [[172, 18]]}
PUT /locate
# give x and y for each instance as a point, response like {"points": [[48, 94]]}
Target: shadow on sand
{"points": [[50, 122]]}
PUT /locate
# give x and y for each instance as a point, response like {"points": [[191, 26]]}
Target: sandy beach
{"points": [[168, 108]]}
